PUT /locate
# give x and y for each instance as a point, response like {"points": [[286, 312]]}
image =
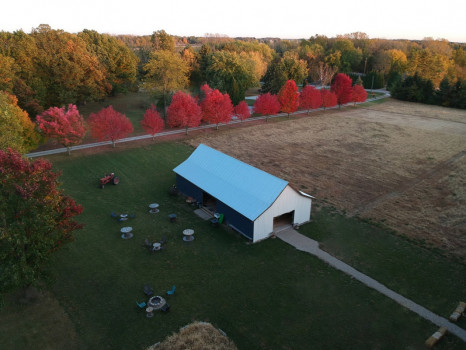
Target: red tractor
{"points": [[109, 178]]}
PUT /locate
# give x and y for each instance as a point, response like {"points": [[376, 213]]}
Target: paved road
{"points": [[311, 246], [178, 131]]}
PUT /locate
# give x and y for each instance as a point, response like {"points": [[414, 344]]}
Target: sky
{"points": [[292, 19]]}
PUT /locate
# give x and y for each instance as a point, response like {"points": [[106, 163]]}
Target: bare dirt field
{"points": [[399, 163]]}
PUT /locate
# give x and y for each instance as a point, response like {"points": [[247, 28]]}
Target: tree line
{"points": [[233, 66], [51, 68], [417, 89], [67, 127]]}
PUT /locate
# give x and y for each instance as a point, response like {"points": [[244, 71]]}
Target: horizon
{"points": [[400, 20], [222, 35]]}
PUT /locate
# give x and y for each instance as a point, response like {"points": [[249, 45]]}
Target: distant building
{"points": [[253, 202]]}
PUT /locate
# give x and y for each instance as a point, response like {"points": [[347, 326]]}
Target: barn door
{"points": [[209, 202], [283, 221]]}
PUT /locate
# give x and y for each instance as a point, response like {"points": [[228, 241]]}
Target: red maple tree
{"points": [[152, 122], [36, 217], [341, 87], [267, 104], [65, 127], [288, 97], [183, 111], [216, 107], [109, 125], [359, 94], [241, 111], [205, 90], [329, 99], [310, 98]]}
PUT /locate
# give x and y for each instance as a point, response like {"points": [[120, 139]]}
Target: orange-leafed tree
{"points": [[359, 94], [341, 87], [65, 127], [17, 131], [329, 99], [288, 97], [152, 122], [109, 125], [216, 107], [183, 111], [310, 98], [241, 111], [267, 104]]}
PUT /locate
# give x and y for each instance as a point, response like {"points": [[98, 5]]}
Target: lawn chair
{"points": [[147, 243], [148, 290], [163, 240], [165, 308], [171, 291], [113, 215], [141, 305], [173, 190]]}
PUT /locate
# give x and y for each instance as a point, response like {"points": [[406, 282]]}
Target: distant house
{"points": [[253, 202]]}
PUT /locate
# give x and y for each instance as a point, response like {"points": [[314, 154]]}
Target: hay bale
{"points": [[196, 336], [434, 338], [458, 312]]}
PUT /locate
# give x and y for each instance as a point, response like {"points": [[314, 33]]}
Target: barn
{"points": [[253, 202]]}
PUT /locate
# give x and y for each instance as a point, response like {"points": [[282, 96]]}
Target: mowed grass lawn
{"points": [[264, 296], [420, 274]]}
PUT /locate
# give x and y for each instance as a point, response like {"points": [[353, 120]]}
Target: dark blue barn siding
{"points": [[188, 188], [232, 217]]}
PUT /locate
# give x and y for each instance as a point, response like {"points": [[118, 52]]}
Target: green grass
{"points": [[250, 101], [370, 103], [38, 324], [420, 274], [264, 296]]}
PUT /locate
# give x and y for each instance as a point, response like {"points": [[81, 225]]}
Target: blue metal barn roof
{"points": [[246, 189]]}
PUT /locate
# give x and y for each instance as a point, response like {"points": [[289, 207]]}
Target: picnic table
{"points": [[126, 232], [188, 235], [154, 208]]}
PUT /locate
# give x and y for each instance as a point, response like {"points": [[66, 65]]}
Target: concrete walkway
{"points": [[311, 246]]}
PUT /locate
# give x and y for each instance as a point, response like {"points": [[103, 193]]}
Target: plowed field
{"points": [[399, 163]]}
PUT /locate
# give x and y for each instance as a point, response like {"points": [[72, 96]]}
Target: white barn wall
{"points": [[287, 201]]}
